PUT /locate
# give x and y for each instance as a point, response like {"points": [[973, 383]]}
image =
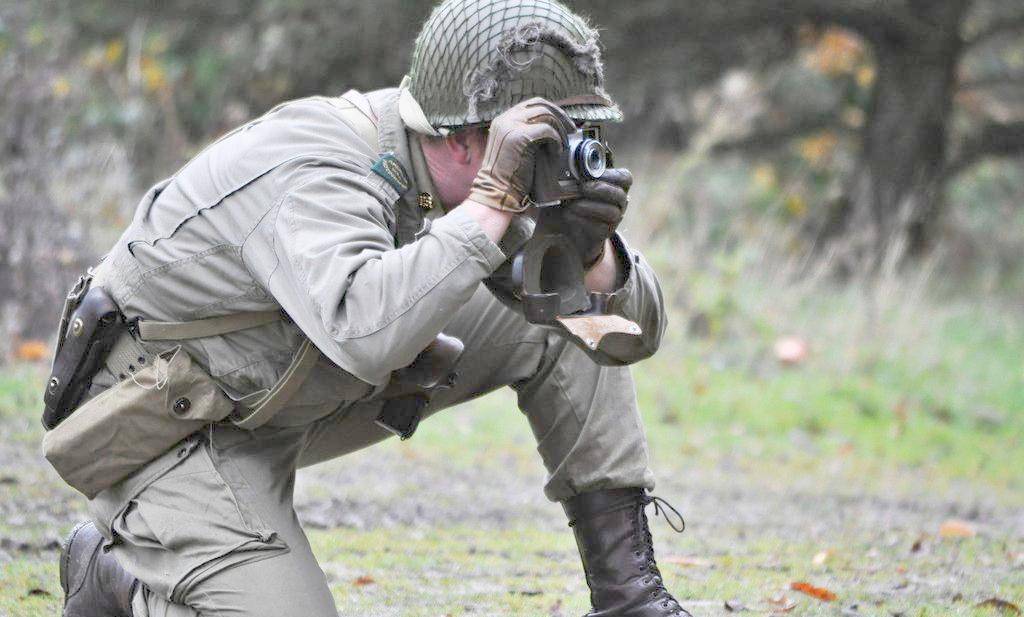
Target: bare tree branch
{"points": [[768, 140], [993, 140]]}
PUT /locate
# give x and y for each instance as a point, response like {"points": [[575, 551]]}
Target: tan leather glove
{"points": [[506, 173]]}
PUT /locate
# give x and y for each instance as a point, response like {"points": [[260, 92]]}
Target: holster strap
{"points": [[200, 328]]}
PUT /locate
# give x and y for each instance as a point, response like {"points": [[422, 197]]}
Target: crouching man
{"points": [[272, 305]]}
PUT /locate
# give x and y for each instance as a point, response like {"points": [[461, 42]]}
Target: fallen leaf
{"points": [[35, 591], [918, 543], [1000, 605], [954, 528], [819, 593], [690, 562], [734, 606], [364, 580], [822, 557], [781, 604], [791, 350], [31, 351]]}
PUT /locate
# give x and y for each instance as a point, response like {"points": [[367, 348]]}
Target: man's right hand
{"points": [[506, 173]]}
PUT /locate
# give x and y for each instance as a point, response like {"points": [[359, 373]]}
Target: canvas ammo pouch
{"points": [[109, 437], [117, 432]]}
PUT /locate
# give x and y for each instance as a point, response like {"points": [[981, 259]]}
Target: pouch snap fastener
{"points": [[182, 405]]}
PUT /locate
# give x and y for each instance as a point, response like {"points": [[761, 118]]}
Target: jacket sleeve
{"points": [[639, 300], [368, 306]]}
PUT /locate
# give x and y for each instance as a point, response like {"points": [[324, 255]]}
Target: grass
{"points": [[523, 571], [920, 407]]}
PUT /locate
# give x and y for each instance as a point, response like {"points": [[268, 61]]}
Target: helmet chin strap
{"points": [[412, 114]]}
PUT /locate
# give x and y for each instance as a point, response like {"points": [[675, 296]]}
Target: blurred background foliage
{"points": [[789, 145], [832, 194]]}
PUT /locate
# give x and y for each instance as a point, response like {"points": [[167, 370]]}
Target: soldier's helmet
{"points": [[474, 59]]}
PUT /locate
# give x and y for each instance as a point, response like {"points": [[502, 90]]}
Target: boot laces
{"points": [[646, 548]]}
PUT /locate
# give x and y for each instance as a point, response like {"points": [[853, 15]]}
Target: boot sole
{"points": [[65, 555]]}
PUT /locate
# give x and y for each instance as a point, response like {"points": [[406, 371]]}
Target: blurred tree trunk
{"points": [[895, 196]]}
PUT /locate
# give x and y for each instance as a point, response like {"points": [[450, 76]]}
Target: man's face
{"points": [[453, 162]]}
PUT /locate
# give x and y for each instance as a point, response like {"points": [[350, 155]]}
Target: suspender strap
{"points": [[266, 407], [212, 326], [358, 115]]}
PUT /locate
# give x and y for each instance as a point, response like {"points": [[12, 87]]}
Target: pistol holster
{"points": [[411, 387], [90, 323]]}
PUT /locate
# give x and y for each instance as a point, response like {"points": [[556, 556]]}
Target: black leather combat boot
{"points": [[94, 584], [618, 553]]}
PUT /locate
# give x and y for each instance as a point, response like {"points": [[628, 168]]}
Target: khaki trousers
{"points": [[210, 530]]}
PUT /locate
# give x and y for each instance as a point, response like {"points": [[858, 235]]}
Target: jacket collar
{"points": [[394, 137]]}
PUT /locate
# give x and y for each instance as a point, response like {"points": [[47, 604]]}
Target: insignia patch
{"points": [[388, 167], [425, 200]]}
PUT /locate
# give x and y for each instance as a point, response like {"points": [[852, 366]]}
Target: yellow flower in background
{"points": [[113, 52], [60, 87], [865, 76], [154, 77], [796, 205], [837, 52], [817, 150], [765, 178]]}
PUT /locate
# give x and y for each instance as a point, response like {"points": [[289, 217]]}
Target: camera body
{"points": [[548, 276], [548, 270], [559, 171]]}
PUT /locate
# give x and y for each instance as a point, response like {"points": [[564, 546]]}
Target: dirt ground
{"points": [[430, 528]]}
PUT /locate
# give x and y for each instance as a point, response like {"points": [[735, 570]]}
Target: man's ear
{"points": [[460, 145]]}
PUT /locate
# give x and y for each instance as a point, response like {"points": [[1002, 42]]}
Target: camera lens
{"points": [[592, 159]]}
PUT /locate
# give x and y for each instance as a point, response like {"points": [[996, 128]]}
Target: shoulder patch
{"points": [[388, 167]]}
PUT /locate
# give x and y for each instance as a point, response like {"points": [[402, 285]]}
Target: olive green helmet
{"points": [[476, 58]]}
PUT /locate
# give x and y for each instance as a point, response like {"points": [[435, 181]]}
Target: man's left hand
{"points": [[595, 216]]}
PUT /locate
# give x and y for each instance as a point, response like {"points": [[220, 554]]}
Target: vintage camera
{"points": [[548, 270], [548, 275], [559, 171]]}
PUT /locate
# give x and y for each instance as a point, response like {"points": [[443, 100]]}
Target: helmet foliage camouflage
{"points": [[476, 58]]}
